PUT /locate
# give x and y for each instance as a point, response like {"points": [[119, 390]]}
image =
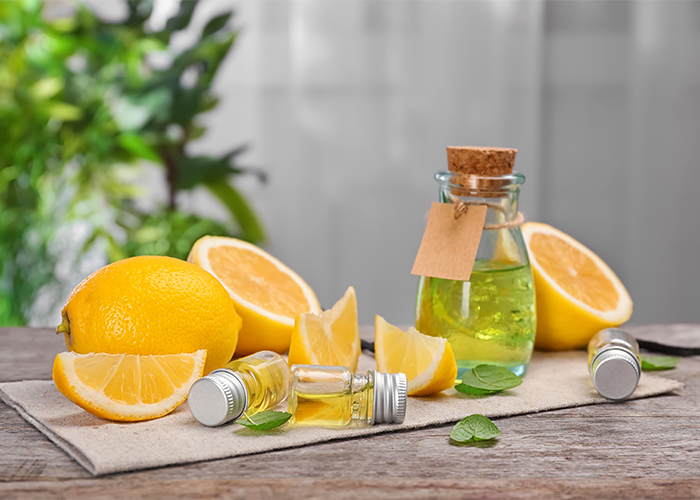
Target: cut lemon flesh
{"points": [[267, 294], [428, 362], [577, 293], [127, 387], [331, 338]]}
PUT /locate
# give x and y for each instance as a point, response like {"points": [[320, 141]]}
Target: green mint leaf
{"points": [[474, 428], [497, 376], [266, 420], [488, 379], [474, 391], [470, 379], [656, 363]]}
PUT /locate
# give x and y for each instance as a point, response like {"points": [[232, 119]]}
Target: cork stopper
{"points": [[489, 162]]}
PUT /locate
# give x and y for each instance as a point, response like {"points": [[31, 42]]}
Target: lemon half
{"points": [[577, 293], [127, 387], [267, 294]]}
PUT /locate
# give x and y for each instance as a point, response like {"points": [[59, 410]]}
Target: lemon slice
{"points": [[267, 294], [331, 338], [127, 387], [428, 362], [577, 293]]}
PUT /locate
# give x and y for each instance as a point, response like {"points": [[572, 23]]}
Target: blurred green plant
{"points": [[82, 103]]}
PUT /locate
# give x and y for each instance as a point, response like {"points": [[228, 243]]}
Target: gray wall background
{"points": [[348, 105]]}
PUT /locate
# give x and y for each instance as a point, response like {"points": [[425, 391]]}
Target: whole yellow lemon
{"points": [[152, 305]]}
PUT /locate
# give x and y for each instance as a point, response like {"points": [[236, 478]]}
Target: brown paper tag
{"points": [[449, 245]]}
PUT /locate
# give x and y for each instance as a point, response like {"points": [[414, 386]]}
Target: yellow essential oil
{"points": [[265, 378], [245, 386], [489, 319], [334, 396]]}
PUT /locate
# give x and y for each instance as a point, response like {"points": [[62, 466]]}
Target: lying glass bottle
{"points": [[334, 396], [613, 363], [245, 386]]}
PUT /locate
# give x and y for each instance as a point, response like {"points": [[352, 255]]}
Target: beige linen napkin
{"points": [[554, 380]]}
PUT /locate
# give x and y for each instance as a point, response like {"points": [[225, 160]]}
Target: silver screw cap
{"points": [[218, 398], [615, 373], [390, 396]]}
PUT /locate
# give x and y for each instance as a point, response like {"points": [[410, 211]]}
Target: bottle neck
{"points": [[363, 398], [611, 338], [499, 194]]}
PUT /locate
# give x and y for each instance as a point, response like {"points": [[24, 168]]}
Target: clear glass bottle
{"points": [[491, 318], [614, 363], [334, 396], [245, 386]]}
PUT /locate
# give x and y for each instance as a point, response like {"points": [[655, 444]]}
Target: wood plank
{"points": [[28, 353], [641, 448], [343, 489]]}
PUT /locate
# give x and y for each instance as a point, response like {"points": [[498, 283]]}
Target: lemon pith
{"points": [[267, 294]]}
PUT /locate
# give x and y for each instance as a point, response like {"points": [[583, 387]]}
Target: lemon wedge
{"points": [[127, 387], [267, 294], [577, 293], [331, 338], [428, 362]]}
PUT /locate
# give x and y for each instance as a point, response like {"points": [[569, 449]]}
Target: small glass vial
{"points": [[613, 362], [334, 396], [248, 385]]}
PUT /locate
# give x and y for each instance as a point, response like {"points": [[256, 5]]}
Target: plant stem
{"points": [[170, 176]]}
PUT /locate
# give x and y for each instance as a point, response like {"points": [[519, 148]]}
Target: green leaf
{"points": [[474, 391], [265, 420], [195, 170], [64, 24], [207, 103], [210, 51], [46, 88], [139, 12], [215, 24], [241, 210], [64, 112], [488, 379], [474, 428], [185, 105], [132, 112], [497, 376], [183, 16], [197, 132], [136, 145], [658, 363]]}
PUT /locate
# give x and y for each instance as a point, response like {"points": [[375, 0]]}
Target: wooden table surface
{"points": [[648, 448]]}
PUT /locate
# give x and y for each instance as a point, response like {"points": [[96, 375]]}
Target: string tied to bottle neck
{"points": [[462, 207]]}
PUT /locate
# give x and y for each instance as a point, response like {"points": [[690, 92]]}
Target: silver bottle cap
{"points": [[390, 395], [218, 398], [615, 373]]}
